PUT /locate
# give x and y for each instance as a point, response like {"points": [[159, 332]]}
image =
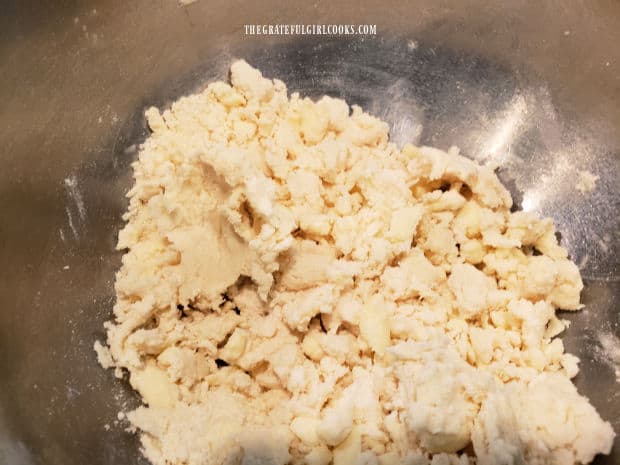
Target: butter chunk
{"points": [[374, 324], [154, 386], [349, 451], [305, 428], [404, 222]]}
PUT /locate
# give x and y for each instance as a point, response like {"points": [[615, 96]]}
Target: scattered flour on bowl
{"points": [[297, 289], [610, 351], [73, 191]]}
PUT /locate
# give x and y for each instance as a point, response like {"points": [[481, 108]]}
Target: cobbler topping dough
{"points": [[296, 289]]}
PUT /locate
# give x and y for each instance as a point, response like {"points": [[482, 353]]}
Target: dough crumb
{"points": [[412, 44], [104, 357], [586, 182]]}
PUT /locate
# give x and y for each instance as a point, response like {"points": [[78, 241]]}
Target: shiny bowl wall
{"points": [[531, 86]]}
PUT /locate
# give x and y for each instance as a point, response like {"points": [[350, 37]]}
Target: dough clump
{"points": [[296, 289]]}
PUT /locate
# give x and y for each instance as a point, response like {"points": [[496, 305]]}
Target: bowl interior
{"points": [[534, 89]]}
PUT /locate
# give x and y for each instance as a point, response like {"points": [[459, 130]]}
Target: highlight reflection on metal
{"points": [[500, 138], [504, 83]]}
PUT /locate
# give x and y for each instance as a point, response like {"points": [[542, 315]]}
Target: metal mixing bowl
{"points": [[532, 86]]}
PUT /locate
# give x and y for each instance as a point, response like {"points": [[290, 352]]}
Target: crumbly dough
{"points": [[296, 289]]}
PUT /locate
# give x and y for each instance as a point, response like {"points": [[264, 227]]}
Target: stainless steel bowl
{"points": [[532, 86]]}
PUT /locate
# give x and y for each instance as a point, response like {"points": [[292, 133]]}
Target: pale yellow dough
{"points": [[372, 305]]}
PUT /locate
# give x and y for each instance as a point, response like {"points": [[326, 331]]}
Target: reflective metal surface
{"points": [[531, 86]]}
